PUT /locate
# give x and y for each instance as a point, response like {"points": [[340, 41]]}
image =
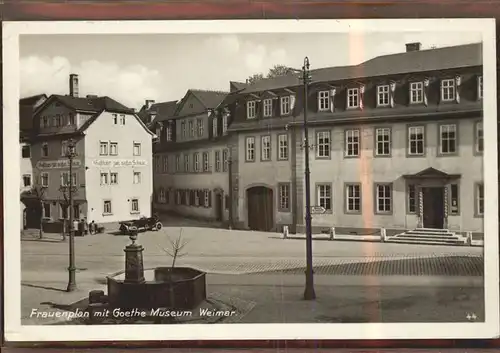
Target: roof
{"points": [[92, 104], [209, 99], [32, 100], [237, 85], [164, 111], [459, 56]]}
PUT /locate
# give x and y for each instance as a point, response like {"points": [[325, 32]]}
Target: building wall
{"points": [[26, 167], [267, 173], [54, 165], [171, 181], [368, 170], [197, 134], [125, 163]]}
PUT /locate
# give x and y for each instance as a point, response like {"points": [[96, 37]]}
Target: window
{"points": [[200, 127], [165, 164], [224, 124], [265, 148], [137, 177], [353, 198], [217, 161], [225, 157], [169, 133], [323, 144], [383, 198], [268, 107], [479, 139], [183, 129], [115, 119], [283, 147], [480, 87], [416, 92], [137, 149], [197, 198], [454, 200], [45, 150], [107, 207], [416, 141], [113, 149], [352, 98], [284, 197], [285, 105], [45, 121], [113, 178], [177, 163], [178, 197], [103, 149], [251, 110], [27, 180], [122, 119], [352, 143], [46, 210], [26, 152], [191, 128], [383, 96], [479, 199], [186, 164], [250, 149], [447, 90], [104, 178], [324, 196], [215, 127], [64, 148], [134, 206], [71, 119], [206, 198], [206, 162], [411, 194], [383, 141], [196, 162], [65, 179], [323, 101], [45, 179], [448, 138], [157, 162]]}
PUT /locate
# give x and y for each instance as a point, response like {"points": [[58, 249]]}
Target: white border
{"points": [[14, 331]]}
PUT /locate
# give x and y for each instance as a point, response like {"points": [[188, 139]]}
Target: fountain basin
{"points": [[164, 287]]}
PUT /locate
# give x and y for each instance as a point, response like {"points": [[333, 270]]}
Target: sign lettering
{"points": [[59, 164], [119, 163], [318, 209]]}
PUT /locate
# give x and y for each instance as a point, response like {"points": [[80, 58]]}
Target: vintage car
{"points": [[142, 224]]}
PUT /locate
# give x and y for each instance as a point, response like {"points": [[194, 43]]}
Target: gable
{"points": [[190, 105], [104, 121]]}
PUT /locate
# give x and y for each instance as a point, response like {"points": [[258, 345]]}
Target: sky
{"points": [[162, 67]]}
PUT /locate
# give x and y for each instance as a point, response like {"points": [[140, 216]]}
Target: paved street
{"points": [[266, 273]]}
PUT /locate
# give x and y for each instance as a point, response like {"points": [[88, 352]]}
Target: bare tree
{"points": [[64, 201], [38, 191], [176, 248]]}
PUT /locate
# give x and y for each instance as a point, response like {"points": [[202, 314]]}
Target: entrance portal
{"points": [[433, 212], [260, 208], [219, 210]]}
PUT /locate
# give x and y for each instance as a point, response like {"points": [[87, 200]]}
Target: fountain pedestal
{"points": [[134, 263]]}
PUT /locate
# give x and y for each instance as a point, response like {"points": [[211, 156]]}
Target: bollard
{"points": [[383, 235], [332, 233], [285, 232]]}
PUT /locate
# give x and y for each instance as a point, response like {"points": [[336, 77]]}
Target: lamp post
{"points": [[71, 154], [309, 293], [230, 187]]}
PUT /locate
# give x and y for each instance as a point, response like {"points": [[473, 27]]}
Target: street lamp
{"points": [[71, 154], [309, 293], [230, 187]]}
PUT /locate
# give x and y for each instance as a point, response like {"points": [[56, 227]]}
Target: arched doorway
{"points": [[260, 208]]}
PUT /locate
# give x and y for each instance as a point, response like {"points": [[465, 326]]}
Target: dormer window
{"points": [[45, 121], [352, 97], [71, 119], [251, 110], [215, 127], [268, 107], [448, 90], [169, 133], [480, 87], [416, 92], [224, 124], [382, 96], [285, 105], [323, 101]]}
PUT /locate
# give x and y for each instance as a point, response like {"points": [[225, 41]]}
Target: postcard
{"points": [[270, 179]]}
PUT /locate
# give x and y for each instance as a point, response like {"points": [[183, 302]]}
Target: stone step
{"points": [[425, 241], [437, 230], [425, 238], [448, 234], [422, 235]]}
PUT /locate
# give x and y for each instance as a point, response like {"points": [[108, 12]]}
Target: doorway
{"points": [[219, 207], [433, 212], [260, 208]]}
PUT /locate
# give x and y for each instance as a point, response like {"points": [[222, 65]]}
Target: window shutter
{"points": [[191, 197], [209, 198], [276, 111]]}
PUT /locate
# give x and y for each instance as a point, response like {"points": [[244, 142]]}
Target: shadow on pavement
{"points": [[43, 287]]}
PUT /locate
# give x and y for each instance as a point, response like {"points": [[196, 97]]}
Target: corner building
{"points": [[112, 170], [396, 142]]}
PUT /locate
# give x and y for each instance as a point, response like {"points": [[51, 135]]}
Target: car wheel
{"points": [[158, 225]]}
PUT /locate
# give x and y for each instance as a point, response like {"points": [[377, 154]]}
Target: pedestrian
{"points": [[75, 226], [92, 228]]}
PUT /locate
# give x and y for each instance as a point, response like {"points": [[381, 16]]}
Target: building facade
{"points": [[111, 172], [395, 142], [191, 161]]}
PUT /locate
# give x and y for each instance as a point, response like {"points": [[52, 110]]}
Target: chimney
{"points": [[73, 85], [149, 103], [413, 46]]}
